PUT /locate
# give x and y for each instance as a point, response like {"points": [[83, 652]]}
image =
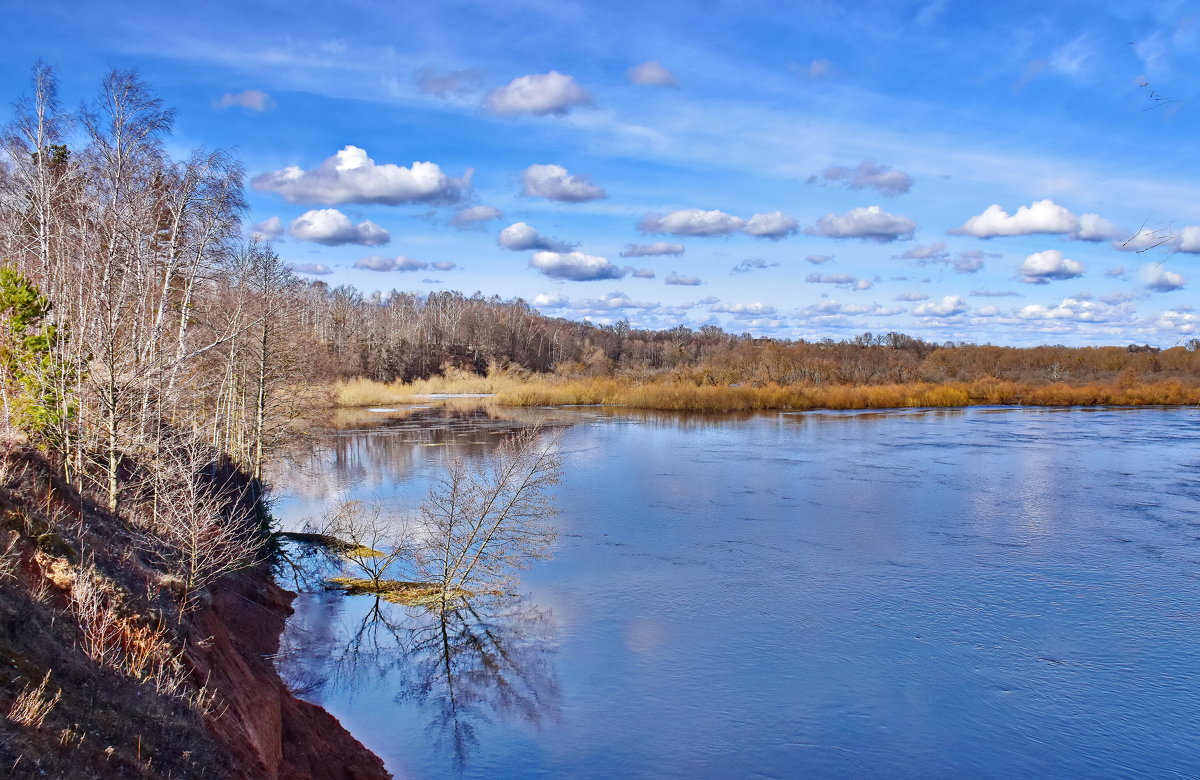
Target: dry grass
{"points": [[31, 706]]}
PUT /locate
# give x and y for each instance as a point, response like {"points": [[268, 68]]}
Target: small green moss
{"points": [[397, 592]]}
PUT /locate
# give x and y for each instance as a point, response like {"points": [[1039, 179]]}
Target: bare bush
{"points": [[198, 529], [32, 705], [372, 537]]}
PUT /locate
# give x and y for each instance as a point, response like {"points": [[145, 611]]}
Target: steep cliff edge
{"points": [[269, 732], [99, 676]]}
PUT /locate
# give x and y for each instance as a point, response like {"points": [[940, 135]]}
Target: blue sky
{"points": [[953, 170]]}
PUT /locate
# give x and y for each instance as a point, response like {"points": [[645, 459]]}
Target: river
{"points": [[988, 592]]}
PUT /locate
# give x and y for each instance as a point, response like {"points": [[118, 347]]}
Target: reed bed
{"points": [[668, 395]]}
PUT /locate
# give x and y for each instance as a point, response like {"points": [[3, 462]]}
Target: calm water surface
{"points": [[989, 592]]}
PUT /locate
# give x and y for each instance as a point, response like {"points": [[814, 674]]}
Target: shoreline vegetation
{"points": [[666, 395]]}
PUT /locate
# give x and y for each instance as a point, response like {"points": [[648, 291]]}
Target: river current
{"points": [[988, 592]]}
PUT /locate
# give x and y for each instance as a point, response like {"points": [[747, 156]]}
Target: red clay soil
{"points": [[271, 734]]}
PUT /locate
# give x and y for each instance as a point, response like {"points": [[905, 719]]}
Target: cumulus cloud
{"points": [[251, 99], [269, 228], [869, 174], [612, 302], [473, 218], [774, 225], [444, 265], [313, 269], [1093, 227], [1076, 309], [752, 265], [651, 74], [912, 297], [833, 309], [651, 250], [521, 236], [680, 279], [640, 273], [575, 266], [1042, 267], [819, 259], [1166, 237], [539, 93], [756, 309], [554, 300], [350, 176], [842, 280], [400, 263], [447, 83], [870, 224], [692, 222], [968, 262], [1040, 217], [949, 306], [331, 227], [553, 182], [1159, 279]]}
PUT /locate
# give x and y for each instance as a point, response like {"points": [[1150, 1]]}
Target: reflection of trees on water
{"points": [[479, 661], [384, 449]]}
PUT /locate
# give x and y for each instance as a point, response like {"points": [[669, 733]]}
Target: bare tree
{"points": [[483, 525]]}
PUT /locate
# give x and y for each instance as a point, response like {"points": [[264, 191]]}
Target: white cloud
{"points": [[271, 227], [540, 93], [333, 228], [400, 263], [818, 259], [1075, 309], [869, 174], [640, 273], [692, 222], [1167, 238], [967, 262], [444, 265], [651, 74], [870, 224], [949, 306], [252, 99], [1042, 267], [521, 236], [1178, 321], [986, 293], [753, 264], [553, 182], [680, 279], [651, 250], [842, 280], [987, 311], [1159, 279], [350, 176], [756, 309], [313, 269], [554, 300], [575, 266], [912, 297], [612, 302], [1093, 227], [1040, 217], [774, 225], [475, 216]]}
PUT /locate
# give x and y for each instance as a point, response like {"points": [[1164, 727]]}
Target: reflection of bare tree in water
{"points": [[478, 661]]}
